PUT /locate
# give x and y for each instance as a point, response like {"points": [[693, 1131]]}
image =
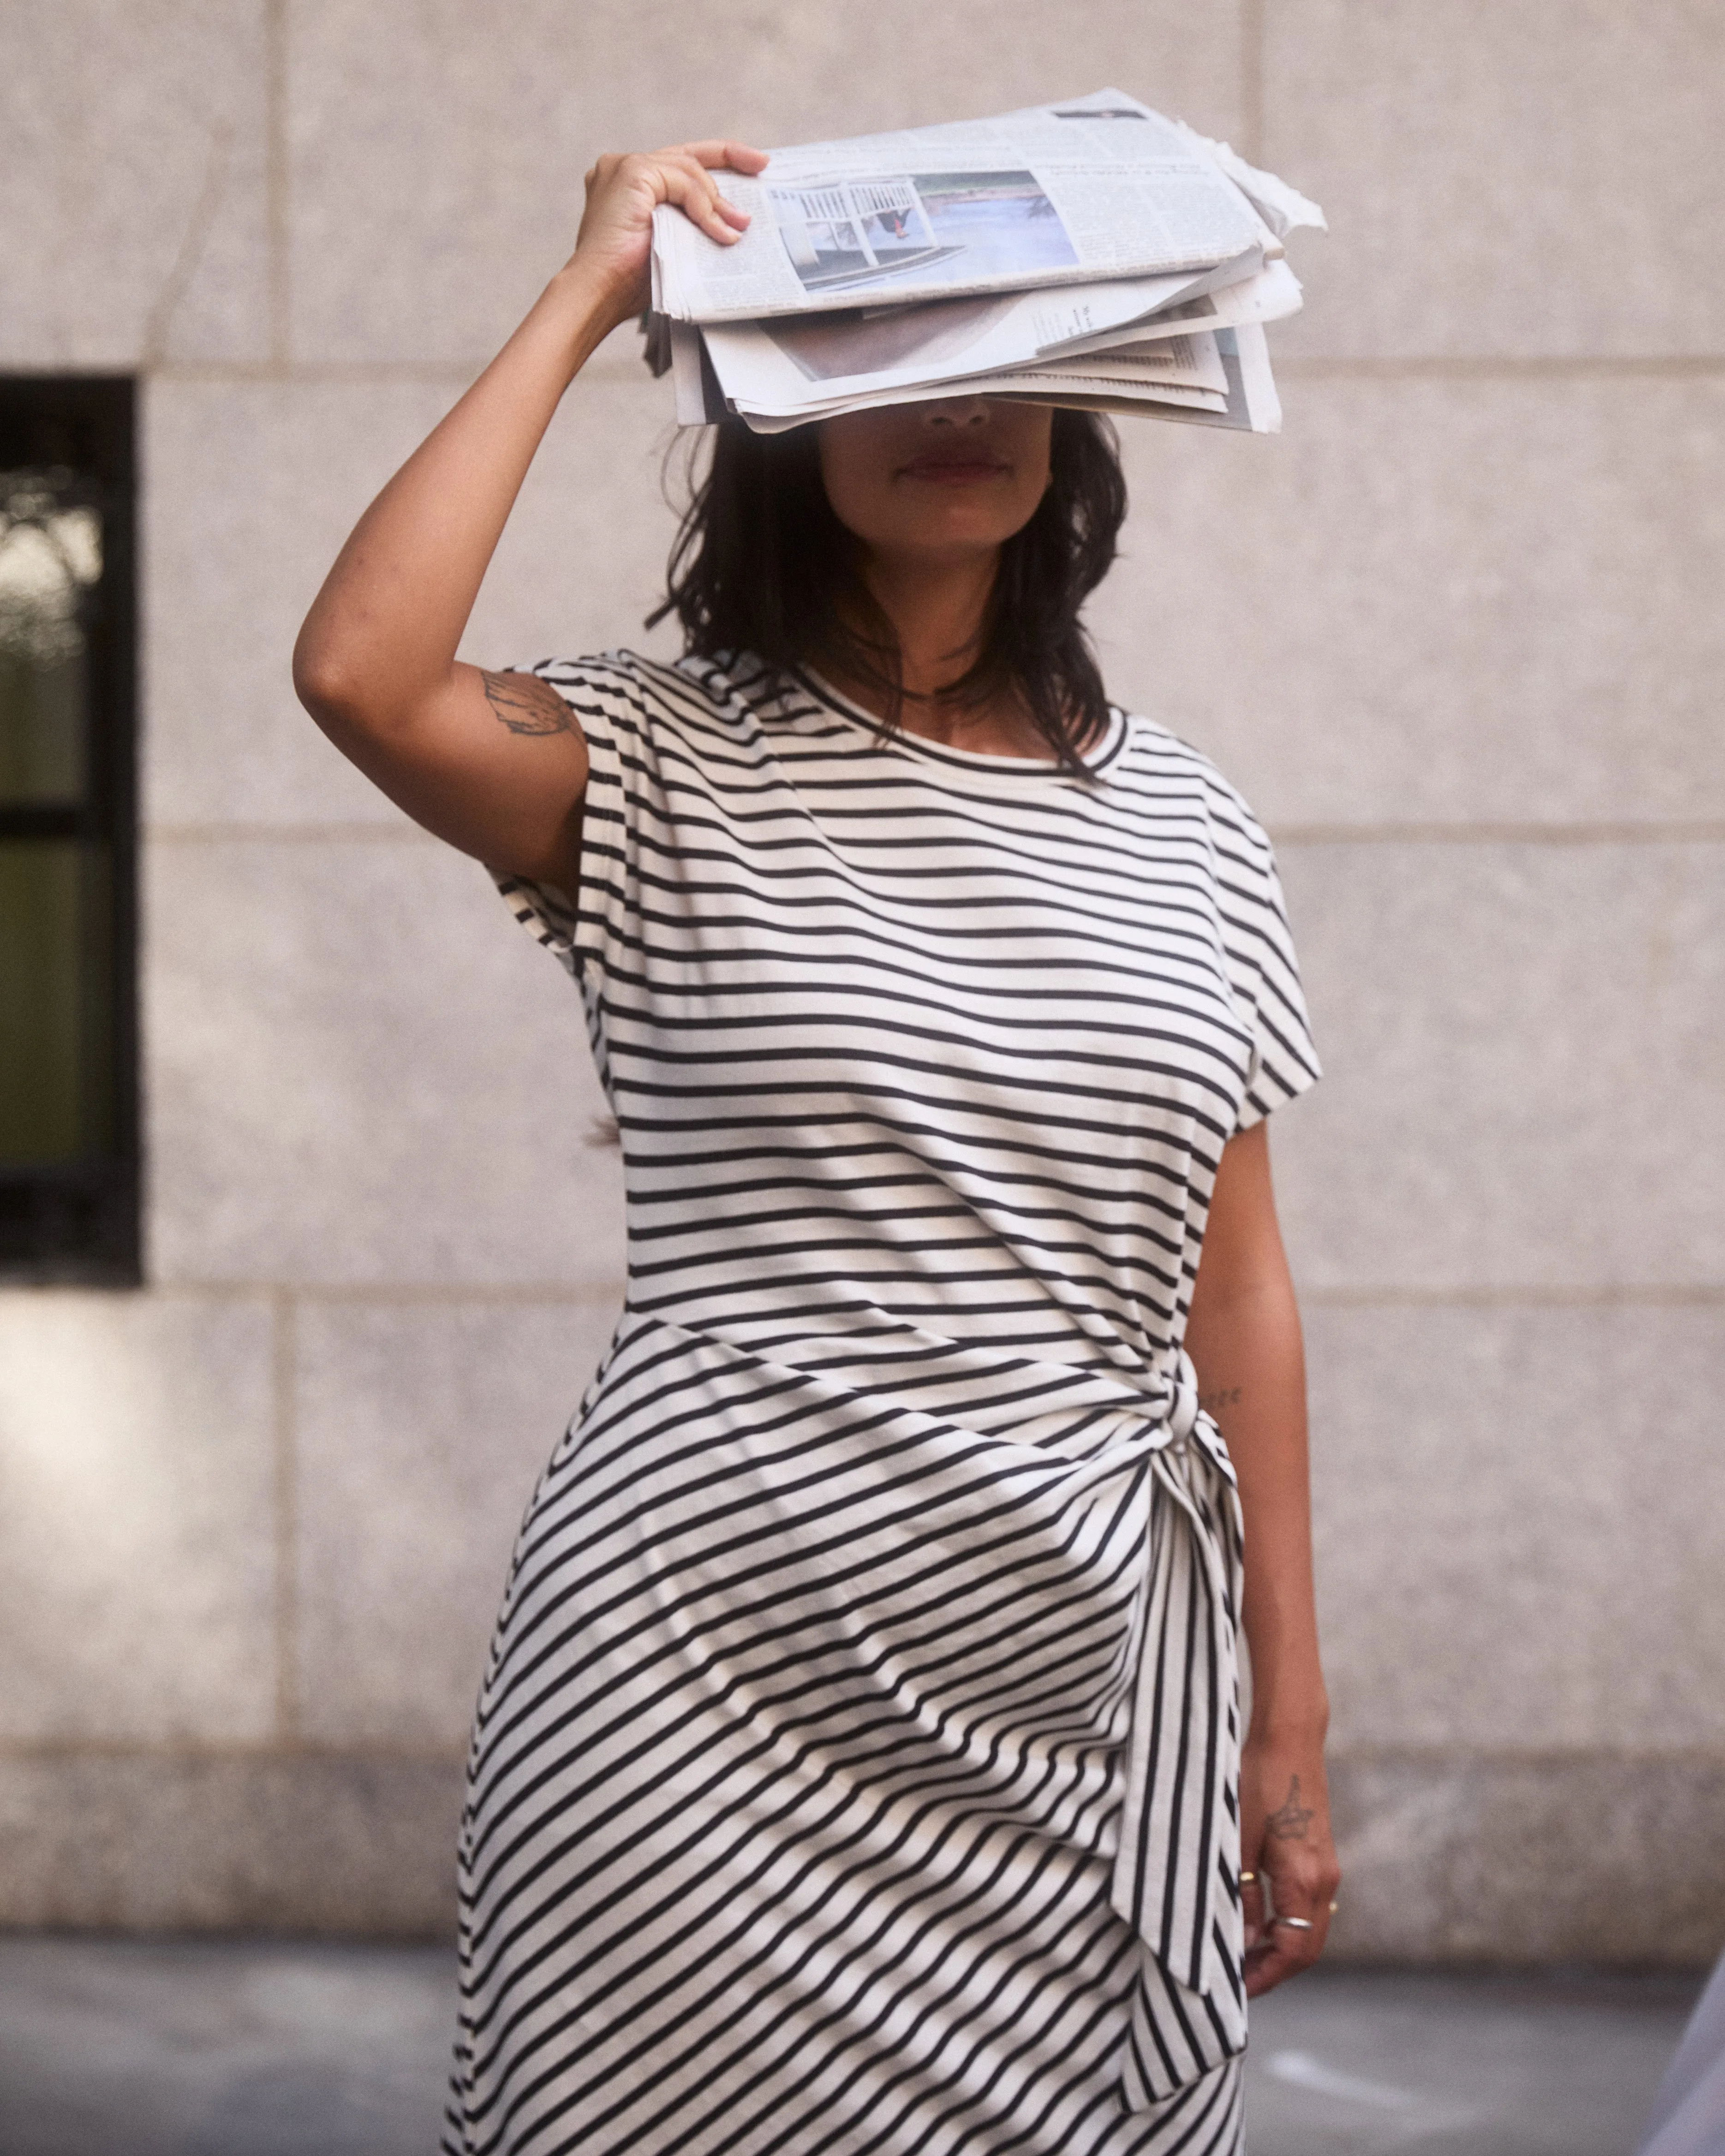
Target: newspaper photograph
{"points": [[946, 227]]}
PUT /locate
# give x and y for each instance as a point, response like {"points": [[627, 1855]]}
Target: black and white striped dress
{"points": [[856, 1767]]}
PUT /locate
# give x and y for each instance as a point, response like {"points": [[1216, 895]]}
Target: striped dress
{"points": [[855, 1772]]}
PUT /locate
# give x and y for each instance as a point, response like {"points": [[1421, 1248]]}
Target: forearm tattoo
{"points": [[525, 704], [1290, 1822]]}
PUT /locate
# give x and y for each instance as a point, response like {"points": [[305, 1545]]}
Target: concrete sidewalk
{"points": [[179, 2047]]}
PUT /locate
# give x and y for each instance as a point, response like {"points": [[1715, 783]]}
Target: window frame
{"points": [[81, 1221]]}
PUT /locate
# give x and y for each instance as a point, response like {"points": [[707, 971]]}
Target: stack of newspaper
{"points": [[1092, 252]]}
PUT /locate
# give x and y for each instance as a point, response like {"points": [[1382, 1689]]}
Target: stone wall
{"points": [[1457, 634]]}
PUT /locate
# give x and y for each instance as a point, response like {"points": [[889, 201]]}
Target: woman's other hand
{"points": [[1285, 1843], [615, 241]]}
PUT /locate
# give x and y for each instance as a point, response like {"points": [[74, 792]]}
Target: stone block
{"points": [[420, 1431], [436, 168], [149, 1841], [1446, 1858], [132, 146], [361, 1069], [1515, 1547], [254, 488], [1522, 1044], [138, 1545], [1508, 618], [1449, 1857], [1470, 601], [1531, 181]]}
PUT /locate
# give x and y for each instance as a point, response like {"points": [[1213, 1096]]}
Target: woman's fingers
{"points": [[736, 156], [623, 191], [708, 157], [689, 184], [1252, 1905], [1286, 1845], [1284, 1952], [1302, 1887]]}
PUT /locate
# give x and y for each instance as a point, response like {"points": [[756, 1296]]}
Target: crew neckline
{"points": [[1095, 760]]}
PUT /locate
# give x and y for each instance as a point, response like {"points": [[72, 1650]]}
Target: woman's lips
{"points": [[954, 471]]}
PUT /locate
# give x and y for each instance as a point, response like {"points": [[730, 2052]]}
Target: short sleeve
{"points": [[1262, 966], [588, 927]]}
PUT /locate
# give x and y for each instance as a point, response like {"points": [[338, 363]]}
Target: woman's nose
{"points": [[957, 412]]}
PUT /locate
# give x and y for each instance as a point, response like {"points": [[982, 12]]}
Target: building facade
{"points": [[1457, 635]]}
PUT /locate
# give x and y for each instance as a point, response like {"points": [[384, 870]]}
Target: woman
{"points": [[856, 1766]]}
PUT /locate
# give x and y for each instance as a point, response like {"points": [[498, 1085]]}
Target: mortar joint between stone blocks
{"points": [[1252, 81], [288, 1717], [277, 185]]}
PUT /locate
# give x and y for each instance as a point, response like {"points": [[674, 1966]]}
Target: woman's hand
{"points": [[1285, 1841], [615, 241]]}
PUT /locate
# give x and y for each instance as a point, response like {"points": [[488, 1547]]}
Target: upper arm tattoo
{"points": [[525, 704]]}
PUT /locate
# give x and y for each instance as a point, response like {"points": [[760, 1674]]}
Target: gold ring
{"points": [[1248, 1878], [1334, 1906]]}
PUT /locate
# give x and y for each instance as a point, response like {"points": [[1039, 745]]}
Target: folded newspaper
{"points": [[1091, 253]]}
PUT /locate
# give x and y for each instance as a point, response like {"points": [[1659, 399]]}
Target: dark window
{"points": [[69, 1105]]}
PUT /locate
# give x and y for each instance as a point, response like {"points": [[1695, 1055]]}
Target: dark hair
{"points": [[762, 564]]}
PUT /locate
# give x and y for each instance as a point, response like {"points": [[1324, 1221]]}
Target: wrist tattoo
{"points": [[1290, 1822], [525, 704]]}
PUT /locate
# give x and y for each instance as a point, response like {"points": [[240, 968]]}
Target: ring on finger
{"points": [[1296, 1923]]}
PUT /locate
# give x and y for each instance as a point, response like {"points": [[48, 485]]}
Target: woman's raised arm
{"points": [[493, 762]]}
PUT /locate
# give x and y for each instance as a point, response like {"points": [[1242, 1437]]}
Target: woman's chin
{"points": [[946, 526]]}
